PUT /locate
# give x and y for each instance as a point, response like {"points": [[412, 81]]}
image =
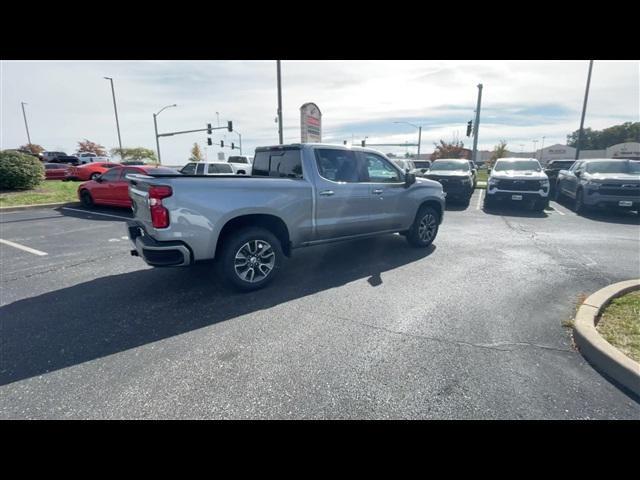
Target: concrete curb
{"points": [[18, 208], [595, 348]]}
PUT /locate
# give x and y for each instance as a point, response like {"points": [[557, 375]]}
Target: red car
{"points": [[89, 171], [112, 188], [55, 171]]}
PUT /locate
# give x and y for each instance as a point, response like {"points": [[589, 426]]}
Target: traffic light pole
{"points": [[155, 125], [476, 125], [169, 134]]}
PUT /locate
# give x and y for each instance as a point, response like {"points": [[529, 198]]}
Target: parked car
{"points": [[456, 177], [553, 168], [112, 189], [66, 160], [207, 168], [518, 180], [55, 171], [602, 183], [421, 167], [90, 157], [299, 195], [241, 164], [50, 156], [89, 171]]}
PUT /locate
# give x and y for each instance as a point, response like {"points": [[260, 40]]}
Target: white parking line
{"points": [[479, 200], [558, 210], [95, 213], [22, 247]]}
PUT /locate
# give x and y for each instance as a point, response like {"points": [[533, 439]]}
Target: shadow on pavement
{"points": [[97, 213], [508, 210], [624, 217], [110, 314]]}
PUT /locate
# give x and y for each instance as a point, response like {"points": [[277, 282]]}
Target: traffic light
{"points": [[363, 143], [222, 143], [230, 126], [469, 126], [232, 146], [209, 142], [345, 142], [209, 129]]}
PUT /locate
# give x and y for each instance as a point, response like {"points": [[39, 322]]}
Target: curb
{"points": [[18, 208], [595, 348]]}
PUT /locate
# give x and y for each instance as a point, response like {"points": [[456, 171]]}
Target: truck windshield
{"points": [[613, 167], [461, 165], [518, 165]]}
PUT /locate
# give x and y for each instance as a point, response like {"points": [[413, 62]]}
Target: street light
{"points": [[26, 125], [419, 127], [542, 149], [535, 142], [239, 139], [155, 125], [115, 108]]}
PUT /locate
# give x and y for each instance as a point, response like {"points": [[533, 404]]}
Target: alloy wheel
{"points": [[254, 261]]}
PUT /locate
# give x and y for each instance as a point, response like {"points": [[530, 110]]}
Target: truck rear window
{"points": [[278, 163]]}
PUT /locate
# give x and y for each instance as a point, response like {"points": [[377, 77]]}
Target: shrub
{"points": [[19, 171]]}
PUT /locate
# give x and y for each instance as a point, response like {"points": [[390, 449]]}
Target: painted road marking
{"points": [[479, 200], [95, 213], [22, 247]]}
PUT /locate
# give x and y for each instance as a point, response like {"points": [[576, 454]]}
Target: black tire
{"points": [[95, 175], [236, 243], [425, 227], [578, 204], [86, 199]]}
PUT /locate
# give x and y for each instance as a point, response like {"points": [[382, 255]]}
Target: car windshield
{"points": [[517, 165], [613, 167], [461, 165], [561, 165]]}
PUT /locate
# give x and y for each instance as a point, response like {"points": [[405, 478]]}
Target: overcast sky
{"points": [[521, 101]]}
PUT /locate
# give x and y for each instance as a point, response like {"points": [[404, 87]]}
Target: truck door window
{"points": [[200, 169], [278, 163], [337, 165], [379, 170], [189, 169]]}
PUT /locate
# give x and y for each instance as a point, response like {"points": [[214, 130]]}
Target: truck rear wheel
{"points": [[250, 258], [425, 227]]}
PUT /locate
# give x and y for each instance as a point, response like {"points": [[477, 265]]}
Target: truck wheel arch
{"points": [[270, 222], [433, 204]]}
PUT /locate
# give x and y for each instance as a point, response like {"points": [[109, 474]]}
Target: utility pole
{"points": [[584, 110], [535, 153], [476, 125], [279, 104], [541, 149], [113, 93], [26, 125]]}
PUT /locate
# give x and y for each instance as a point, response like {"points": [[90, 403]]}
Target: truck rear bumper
{"points": [[158, 254]]}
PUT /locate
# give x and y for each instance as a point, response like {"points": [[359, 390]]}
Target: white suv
{"points": [[518, 180]]}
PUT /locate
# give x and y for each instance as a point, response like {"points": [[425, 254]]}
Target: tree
{"points": [[196, 153], [32, 147], [453, 149], [499, 151], [137, 154], [89, 146], [602, 139]]}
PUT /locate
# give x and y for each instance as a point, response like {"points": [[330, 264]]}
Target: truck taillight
{"points": [[159, 214]]}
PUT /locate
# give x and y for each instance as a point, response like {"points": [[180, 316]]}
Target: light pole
{"points": [[218, 115], [239, 139], [476, 126], [419, 127], [279, 103], [541, 149], [155, 125], [26, 125], [115, 108], [535, 142], [584, 109]]}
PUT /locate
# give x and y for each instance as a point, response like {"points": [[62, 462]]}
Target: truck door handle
{"points": [[378, 191], [326, 193]]}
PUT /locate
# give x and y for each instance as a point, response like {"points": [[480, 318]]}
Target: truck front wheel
{"points": [[425, 227], [250, 258]]}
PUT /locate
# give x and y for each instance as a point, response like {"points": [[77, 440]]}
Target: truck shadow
{"points": [[514, 211], [111, 314], [100, 213], [624, 217]]}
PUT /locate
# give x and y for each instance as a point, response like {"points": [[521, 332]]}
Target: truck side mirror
{"points": [[409, 179]]}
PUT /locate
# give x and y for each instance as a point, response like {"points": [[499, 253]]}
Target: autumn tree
{"points": [[601, 139], [137, 154], [33, 148], [453, 149], [89, 146], [196, 153], [499, 151]]}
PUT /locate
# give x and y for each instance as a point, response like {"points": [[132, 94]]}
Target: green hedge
{"points": [[19, 171]]}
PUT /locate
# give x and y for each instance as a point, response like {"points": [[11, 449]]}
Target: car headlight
{"points": [[544, 183]]}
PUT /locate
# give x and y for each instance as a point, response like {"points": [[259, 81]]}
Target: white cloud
{"points": [[70, 100]]}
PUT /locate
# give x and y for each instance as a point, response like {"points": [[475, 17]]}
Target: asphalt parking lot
{"points": [[468, 329]]}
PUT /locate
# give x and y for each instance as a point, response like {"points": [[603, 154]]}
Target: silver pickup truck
{"points": [[298, 195]]}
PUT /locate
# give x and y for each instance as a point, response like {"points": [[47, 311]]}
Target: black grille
{"points": [[519, 185]]}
